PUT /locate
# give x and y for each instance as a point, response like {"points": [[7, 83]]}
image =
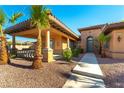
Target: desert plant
{"points": [[67, 54], [81, 50], [13, 20], [77, 51], [40, 19], [3, 49], [12, 56], [102, 39]]}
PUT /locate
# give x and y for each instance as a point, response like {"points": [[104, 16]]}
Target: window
{"points": [[52, 44]]}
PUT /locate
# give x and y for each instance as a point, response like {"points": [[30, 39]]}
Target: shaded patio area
{"points": [[54, 40]]}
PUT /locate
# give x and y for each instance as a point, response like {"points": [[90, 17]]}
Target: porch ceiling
{"points": [[26, 25], [33, 33]]}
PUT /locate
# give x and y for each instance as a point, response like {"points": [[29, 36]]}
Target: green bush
{"points": [[77, 51], [12, 56], [74, 52], [67, 54], [81, 50]]}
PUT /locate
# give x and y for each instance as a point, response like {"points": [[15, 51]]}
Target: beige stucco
{"points": [[85, 34], [58, 35], [116, 48], [60, 39]]}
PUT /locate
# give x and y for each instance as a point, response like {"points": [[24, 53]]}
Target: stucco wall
{"points": [[85, 34], [59, 39], [116, 48], [64, 43], [57, 43]]}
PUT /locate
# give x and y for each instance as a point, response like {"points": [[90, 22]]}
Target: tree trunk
{"points": [[3, 50], [100, 49], [37, 64], [103, 52]]}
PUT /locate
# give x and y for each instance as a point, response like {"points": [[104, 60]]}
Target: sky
{"points": [[74, 16]]}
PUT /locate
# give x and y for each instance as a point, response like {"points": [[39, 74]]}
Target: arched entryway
{"points": [[90, 44]]}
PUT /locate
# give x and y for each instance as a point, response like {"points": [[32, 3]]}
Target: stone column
{"points": [[68, 43], [47, 52], [48, 39], [13, 42]]}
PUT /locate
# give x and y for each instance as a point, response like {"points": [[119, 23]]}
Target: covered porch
{"points": [[54, 40], [53, 43]]}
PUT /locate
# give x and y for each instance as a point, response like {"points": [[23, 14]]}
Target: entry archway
{"points": [[90, 44]]}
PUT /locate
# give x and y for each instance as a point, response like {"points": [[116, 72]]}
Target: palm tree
{"points": [[13, 20], [39, 19], [3, 49], [102, 39]]}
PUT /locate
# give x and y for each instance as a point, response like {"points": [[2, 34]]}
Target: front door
{"points": [[89, 44]]}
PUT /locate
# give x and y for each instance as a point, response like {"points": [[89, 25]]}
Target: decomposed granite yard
{"points": [[19, 74], [113, 69]]}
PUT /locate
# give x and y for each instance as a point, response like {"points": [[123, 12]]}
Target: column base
{"points": [[48, 55]]}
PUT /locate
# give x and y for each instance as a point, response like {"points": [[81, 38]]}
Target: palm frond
{"points": [[102, 38], [15, 17], [39, 16], [2, 17]]}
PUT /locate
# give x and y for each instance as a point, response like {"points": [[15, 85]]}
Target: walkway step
{"points": [[56, 57], [86, 74], [80, 81], [89, 67], [88, 70]]}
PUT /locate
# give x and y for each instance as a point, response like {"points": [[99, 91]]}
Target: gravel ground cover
{"points": [[113, 70], [19, 74]]}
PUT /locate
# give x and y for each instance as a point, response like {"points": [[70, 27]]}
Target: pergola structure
{"points": [[59, 34]]}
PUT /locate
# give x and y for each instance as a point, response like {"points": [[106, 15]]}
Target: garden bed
{"points": [[19, 74]]}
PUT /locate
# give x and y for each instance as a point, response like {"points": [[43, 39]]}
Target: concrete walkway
{"points": [[86, 74]]}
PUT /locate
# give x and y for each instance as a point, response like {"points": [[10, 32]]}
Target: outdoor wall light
{"points": [[119, 38]]}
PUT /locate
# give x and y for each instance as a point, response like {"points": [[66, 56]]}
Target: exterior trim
{"points": [[91, 27], [54, 22]]}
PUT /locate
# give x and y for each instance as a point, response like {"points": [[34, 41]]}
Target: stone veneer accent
{"points": [[47, 55]]}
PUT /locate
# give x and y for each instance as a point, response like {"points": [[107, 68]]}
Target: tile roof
{"points": [[54, 22], [107, 27]]}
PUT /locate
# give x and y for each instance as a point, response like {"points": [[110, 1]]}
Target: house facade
{"points": [[54, 40], [114, 48]]}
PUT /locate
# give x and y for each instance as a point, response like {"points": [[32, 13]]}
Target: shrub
{"points": [[82, 50], [74, 52], [77, 51], [12, 56], [67, 54]]}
